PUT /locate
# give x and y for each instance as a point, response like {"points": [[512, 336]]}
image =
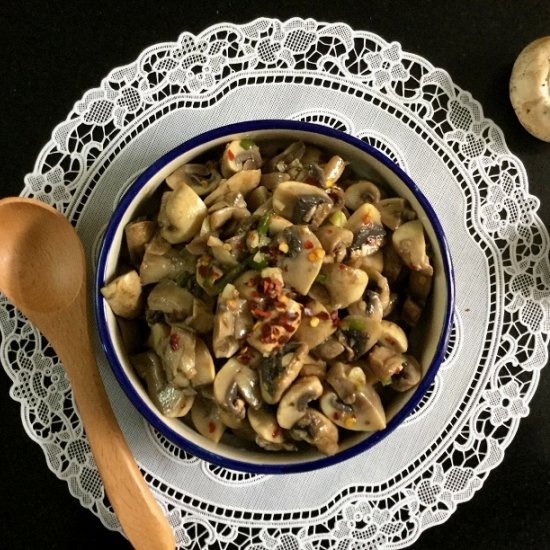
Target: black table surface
{"points": [[53, 54]]}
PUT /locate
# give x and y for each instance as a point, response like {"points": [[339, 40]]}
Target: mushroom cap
{"points": [[181, 214], [365, 414], [124, 295], [279, 370], [315, 428], [236, 384], [205, 415], [294, 403], [530, 88]]}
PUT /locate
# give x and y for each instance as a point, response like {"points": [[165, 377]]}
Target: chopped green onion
{"points": [[183, 279], [263, 224], [386, 381], [247, 143], [229, 277], [321, 278], [353, 324], [338, 218]]}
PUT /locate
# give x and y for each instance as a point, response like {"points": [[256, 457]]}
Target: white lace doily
{"points": [[399, 102]]}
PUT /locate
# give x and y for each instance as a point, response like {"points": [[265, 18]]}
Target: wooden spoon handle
{"points": [[138, 512]]}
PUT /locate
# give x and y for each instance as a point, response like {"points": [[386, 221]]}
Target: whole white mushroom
{"points": [[530, 88]]}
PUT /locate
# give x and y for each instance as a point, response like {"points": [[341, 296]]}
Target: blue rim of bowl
{"points": [[133, 395]]}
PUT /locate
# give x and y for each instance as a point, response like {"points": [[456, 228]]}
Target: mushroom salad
{"points": [[271, 293]]}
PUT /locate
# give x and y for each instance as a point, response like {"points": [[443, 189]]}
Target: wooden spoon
{"points": [[43, 273]]}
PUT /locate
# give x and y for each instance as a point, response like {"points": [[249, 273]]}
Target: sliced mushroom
{"points": [[344, 284], [247, 284], [365, 414], [242, 182], [369, 233], [420, 286], [204, 365], [409, 377], [346, 380], [242, 154], [274, 331], [138, 234], [314, 367], [382, 287], [181, 214], [279, 370], [205, 415], [384, 362], [232, 322], [301, 203], [393, 336], [411, 311], [333, 169], [374, 262], [408, 239], [271, 437], [393, 264], [220, 217], [161, 261], [369, 306], [272, 179], [316, 325], [329, 349], [201, 319], [284, 160], [168, 297], [395, 211], [124, 295], [178, 357], [277, 224], [202, 178], [303, 258], [316, 429], [335, 241], [294, 403], [235, 386], [233, 422], [360, 192], [257, 197], [171, 402], [361, 333]]}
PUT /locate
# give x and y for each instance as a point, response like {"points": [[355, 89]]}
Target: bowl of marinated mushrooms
{"points": [[274, 296]]}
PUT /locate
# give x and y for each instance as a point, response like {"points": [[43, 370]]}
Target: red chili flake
{"points": [[261, 313], [174, 342], [285, 268], [203, 270], [308, 245], [323, 316], [287, 327], [276, 432], [245, 359], [335, 319], [310, 180], [336, 416], [267, 334], [230, 154], [211, 427], [342, 267]]}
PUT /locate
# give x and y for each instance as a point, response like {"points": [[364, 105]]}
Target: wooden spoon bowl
{"points": [[43, 273]]}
